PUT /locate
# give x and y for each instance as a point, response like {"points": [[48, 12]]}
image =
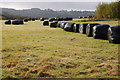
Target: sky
{"points": [[53, 4]]}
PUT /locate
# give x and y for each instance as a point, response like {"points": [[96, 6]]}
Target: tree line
{"points": [[5, 16], [108, 10], [47, 13]]}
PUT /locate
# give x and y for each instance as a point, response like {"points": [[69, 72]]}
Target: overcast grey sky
{"points": [[52, 4], [57, 0]]}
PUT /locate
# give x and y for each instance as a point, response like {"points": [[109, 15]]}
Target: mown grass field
{"points": [[32, 50]]}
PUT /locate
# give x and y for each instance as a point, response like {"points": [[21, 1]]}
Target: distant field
{"points": [[33, 50]]}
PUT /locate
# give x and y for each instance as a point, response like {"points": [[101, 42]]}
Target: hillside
{"points": [[36, 12]]}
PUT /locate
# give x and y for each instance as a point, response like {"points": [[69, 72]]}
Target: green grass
{"points": [[33, 50], [112, 23]]}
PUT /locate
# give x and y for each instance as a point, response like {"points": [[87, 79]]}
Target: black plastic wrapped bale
{"points": [[76, 28], [46, 23], [59, 24], [100, 31], [17, 22], [67, 19], [90, 16], [21, 22], [59, 19], [70, 18], [33, 19], [63, 24], [8, 22], [53, 24], [89, 29], [25, 20], [29, 19], [42, 19], [114, 34], [80, 17], [85, 17], [69, 27], [64, 19], [82, 28], [51, 19]]}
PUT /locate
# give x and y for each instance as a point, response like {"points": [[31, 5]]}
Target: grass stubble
{"points": [[35, 51]]}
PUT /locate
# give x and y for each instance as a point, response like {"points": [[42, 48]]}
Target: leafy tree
{"points": [[111, 10]]}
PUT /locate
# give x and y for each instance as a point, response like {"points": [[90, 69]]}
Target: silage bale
{"points": [[69, 27], [76, 28], [51, 19], [42, 19], [21, 22], [90, 16], [25, 20], [70, 18], [67, 19], [59, 19], [17, 22], [63, 24], [36, 18], [59, 24], [114, 34], [8, 22], [80, 17], [85, 17], [100, 31], [33, 19], [82, 28], [46, 23], [29, 19], [89, 29], [53, 24]]}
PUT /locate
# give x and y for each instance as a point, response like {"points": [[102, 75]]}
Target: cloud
{"points": [[57, 0], [55, 5], [51, 5]]}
